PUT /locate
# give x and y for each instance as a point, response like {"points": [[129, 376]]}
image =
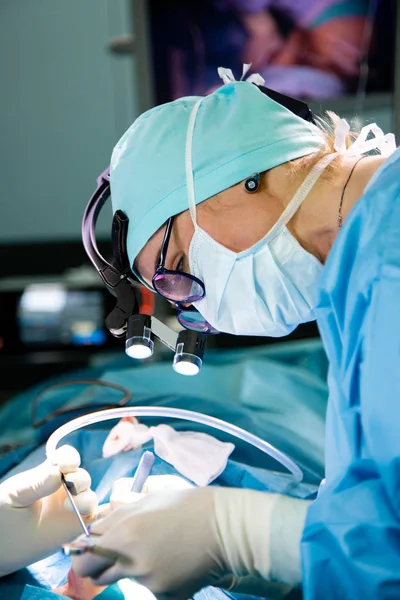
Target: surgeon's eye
{"points": [[180, 265]]}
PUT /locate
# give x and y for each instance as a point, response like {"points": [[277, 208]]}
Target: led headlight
{"points": [[139, 343], [189, 352]]}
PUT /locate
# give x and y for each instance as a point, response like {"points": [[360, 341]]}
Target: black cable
{"points": [[38, 423]]}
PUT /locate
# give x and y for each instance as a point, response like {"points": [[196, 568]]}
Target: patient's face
{"points": [[79, 588]]}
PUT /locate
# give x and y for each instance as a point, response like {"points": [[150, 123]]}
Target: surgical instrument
{"points": [[89, 544], [143, 471], [71, 499]]}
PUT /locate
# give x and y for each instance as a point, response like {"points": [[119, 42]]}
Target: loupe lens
{"points": [[193, 320], [178, 287]]}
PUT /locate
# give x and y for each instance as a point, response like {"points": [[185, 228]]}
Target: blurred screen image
{"points": [[52, 314], [310, 49]]}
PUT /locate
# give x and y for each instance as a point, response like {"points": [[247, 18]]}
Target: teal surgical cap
{"points": [[238, 131]]}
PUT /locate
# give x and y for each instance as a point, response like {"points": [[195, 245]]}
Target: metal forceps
{"points": [[76, 511], [89, 543]]}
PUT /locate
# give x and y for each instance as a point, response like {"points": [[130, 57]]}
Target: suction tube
{"points": [[175, 413]]}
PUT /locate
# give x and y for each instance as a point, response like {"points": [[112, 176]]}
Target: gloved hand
{"points": [[35, 514], [121, 490], [179, 541]]}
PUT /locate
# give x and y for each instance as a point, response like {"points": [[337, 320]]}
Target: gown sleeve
{"points": [[351, 542]]}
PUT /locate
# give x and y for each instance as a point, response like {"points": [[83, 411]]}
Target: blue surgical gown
{"points": [[351, 542]]}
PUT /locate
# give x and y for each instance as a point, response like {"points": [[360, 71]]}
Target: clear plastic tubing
{"points": [[172, 413]]}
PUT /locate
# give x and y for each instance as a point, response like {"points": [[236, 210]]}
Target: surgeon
{"points": [[243, 207], [35, 513]]}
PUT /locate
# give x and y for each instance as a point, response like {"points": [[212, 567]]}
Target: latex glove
{"points": [[180, 541], [35, 514], [121, 490]]}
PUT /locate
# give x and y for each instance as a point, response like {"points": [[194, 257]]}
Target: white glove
{"points": [[35, 514], [121, 490], [180, 541]]}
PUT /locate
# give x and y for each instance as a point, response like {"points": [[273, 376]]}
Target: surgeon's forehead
{"points": [[147, 259]]}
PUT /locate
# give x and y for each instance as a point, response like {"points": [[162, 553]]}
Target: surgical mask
{"points": [[266, 290], [270, 288]]}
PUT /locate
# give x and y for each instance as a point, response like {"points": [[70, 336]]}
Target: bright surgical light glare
{"points": [[139, 352], [186, 368], [187, 364], [139, 347]]}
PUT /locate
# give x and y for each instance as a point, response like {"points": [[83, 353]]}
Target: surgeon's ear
{"points": [[252, 184]]}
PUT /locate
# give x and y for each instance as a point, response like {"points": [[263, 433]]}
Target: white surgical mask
{"points": [[266, 290], [270, 288]]}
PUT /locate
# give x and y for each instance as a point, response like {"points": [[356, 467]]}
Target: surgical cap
{"points": [[238, 131]]}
